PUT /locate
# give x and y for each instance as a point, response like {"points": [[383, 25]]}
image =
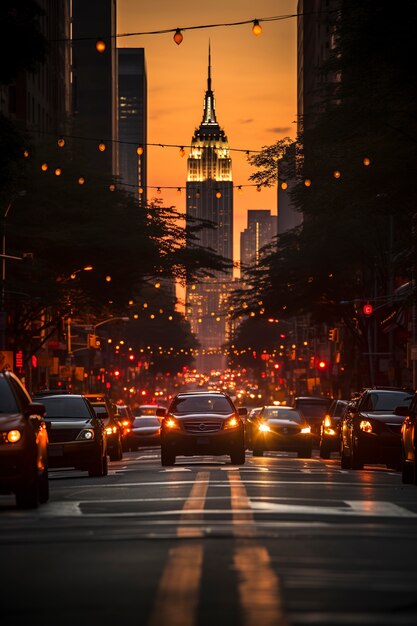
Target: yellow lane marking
{"points": [[259, 587], [195, 502]]}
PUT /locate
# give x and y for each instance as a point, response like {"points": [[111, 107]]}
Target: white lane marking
{"points": [[174, 469], [365, 508], [60, 509]]}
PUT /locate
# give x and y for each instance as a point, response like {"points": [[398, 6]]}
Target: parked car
{"points": [[77, 437], [313, 408], [199, 423], [330, 429], [23, 444], [371, 428], [104, 409], [408, 442], [145, 431], [281, 428]]}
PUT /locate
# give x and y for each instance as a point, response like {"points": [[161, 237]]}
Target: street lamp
{"points": [[110, 319]]}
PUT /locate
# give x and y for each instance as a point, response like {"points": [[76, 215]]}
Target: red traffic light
{"points": [[322, 364], [367, 309]]}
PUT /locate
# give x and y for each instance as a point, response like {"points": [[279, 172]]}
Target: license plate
{"points": [[202, 441], [56, 450]]}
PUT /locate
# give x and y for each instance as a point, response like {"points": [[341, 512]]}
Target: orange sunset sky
{"points": [[253, 79]]}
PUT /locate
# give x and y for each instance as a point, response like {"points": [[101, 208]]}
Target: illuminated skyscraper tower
{"points": [[210, 197]]}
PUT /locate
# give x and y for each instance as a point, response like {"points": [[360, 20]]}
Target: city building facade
{"points": [[260, 231]]}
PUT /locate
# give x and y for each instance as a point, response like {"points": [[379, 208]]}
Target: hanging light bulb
{"points": [[337, 174], [258, 188], [44, 167], [182, 151], [307, 182], [240, 188], [178, 36], [366, 161], [81, 180], [218, 194], [26, 153], [61, 142], [139, 150], [112, 187], [100, 46], [58, 171], [284, 185], [158, 190], [256, 28], [108, 279], [179, 190], [141, 190], [102, 146]]}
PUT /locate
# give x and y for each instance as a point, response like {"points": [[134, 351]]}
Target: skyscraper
{"points": [[133, 120], [259, 232], [210, 197]]}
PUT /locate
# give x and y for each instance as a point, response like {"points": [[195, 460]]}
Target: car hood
{"points": [[62, 422], [11, 420], [202, 416], [386, 417]]}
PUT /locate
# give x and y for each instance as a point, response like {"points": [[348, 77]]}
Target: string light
{"points": [[337, 174], [112, 187], [307, 182], [102, 146], [58, 171], [81, 180], [61, 142], [139, 150], [218, 194], [258, 188], [108, 279], [26, 153], [366, 161], [44, 167], [178, 36], [256, 28], [100, 46], [182, 151], [284, 185]]}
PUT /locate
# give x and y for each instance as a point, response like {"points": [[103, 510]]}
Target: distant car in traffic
{"points": [[371, 428], [313, 408], [146, 409], [105, 410], [330, 429], [201, 423], [281, 428], [145, 431], [23, 444], [77, 438]]}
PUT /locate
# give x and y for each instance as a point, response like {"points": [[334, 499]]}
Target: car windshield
{"points": [[7, 399], [282, 414], [146, 410], [387, 401], [201, 404], [65, 407], [312, 409], [146, 422]]}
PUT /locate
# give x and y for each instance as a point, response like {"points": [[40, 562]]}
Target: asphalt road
{"points": [[279, 541]]}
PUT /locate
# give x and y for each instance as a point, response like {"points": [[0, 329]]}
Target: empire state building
{"points": [[210, 197]]}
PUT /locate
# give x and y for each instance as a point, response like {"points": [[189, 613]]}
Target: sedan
{"points": [[77, 438], [23, 444], [104, 409], [145, 431], [371, 428], [200, 423], [282, 429]]}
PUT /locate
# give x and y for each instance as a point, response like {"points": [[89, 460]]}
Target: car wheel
{"points": [[345, 462], [167, 458], [27, 496], [305, 453], [238, 457], [43, 487]]}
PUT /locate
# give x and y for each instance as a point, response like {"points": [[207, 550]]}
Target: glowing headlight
{"points": [[171, 423], [232, 422], [87, 434], [13, 436], [366, 426], [329, 431], [306, 430], [264, 428]]}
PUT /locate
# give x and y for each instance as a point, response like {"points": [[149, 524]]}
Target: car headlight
{"points": [[87, 434], [171, 423], [306, 430], [366, 426], [12, 436], [232, 422], [264, 428]]}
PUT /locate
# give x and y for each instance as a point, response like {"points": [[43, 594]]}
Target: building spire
{"points": [[209, 115]]}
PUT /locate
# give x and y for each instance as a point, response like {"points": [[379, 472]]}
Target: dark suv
{"points": [[23, 444], [104, 409], [371, 428], [313, 408], [199, 423]]}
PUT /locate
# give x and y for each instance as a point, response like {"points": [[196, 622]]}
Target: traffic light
{"points": [[93, 341], [367, 309], [333, 334]]}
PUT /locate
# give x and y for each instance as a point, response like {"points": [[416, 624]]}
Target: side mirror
{"points": [[243, 411], [161, 412], [402, 411]]}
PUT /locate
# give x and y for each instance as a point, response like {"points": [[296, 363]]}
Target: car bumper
{"points": [[275, 442], [222, 442], [78, 454], [143, 440]]}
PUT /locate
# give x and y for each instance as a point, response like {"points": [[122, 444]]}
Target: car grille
{"points": [[286, 431], [202, 426], [63, 434]]}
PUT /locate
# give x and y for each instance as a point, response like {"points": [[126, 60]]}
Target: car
{"points": [[125, 417], [145, 431], [23, 444], [282, 428], [251, 425], [313, 408], [104, 409], [408, 442], [330, 429], [201, 423], [370, 428], [146, 409], [77, 437]]}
